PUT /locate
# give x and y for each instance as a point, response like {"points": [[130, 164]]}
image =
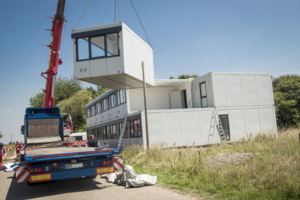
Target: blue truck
{"points": [[47, 159]]}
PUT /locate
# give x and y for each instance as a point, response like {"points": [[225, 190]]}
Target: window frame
{"points": [[201, 97], [90, 47]]}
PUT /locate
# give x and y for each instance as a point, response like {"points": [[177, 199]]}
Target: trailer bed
{"points": [[59, 153]]}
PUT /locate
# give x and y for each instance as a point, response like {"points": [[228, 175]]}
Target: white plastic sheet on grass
{"points": [[129, 178]]}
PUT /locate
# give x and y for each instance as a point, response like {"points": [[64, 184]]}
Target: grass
{"points": [[272, 173]]}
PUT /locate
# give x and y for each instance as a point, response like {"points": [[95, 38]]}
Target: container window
{"points": [[97, 47], [112, 44], [99, 107], [88, 113], [103, 130], [99, 135], [118, 97], [125, 135], [203, 95], [135, 128], [83, 48], [112, 100], [108, 131], [95, 133], [105, 102], [102, 105], [118, 129], [93, 110], [114, 131], [122, 96]]}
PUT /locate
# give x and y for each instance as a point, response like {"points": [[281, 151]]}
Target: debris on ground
{"points": [[129, 178], [223, 159], [9, 167]]}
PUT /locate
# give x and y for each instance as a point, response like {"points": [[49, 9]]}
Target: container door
{"points": [[176, 100]]}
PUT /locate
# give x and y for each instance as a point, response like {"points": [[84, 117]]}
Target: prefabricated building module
{"points": [[111, 55]]}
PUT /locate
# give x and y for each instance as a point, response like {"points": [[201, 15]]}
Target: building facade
{"points": [[187, 112], [211, 109]]}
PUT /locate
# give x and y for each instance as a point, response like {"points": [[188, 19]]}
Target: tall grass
{"points": [[272, 173]]}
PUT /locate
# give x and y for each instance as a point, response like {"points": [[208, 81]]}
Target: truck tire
{"points": [[91, 177], [31, 184]]}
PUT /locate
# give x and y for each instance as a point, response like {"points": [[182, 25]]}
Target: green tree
{"points": [[96, 92], [287, 100], [37, 100], [186, 76], [1, 135], [64, 89], [75, 106], [171, 77]]}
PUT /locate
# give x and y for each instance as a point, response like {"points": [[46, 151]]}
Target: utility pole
{"points": [[145, 105]]}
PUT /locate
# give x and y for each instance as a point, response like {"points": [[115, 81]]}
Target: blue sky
{"points": [[188, 37]]}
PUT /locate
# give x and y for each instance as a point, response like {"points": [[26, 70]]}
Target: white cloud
{"points": [[8, 111]]}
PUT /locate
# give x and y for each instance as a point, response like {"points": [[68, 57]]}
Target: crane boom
{"points": [[54, 60]]}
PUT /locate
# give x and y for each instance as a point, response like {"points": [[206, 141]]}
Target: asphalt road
{"points": [[82, 188]]}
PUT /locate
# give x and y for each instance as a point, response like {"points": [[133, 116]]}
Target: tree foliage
{"points": [[287, 100], [186, 76], [1, 135], [96, 92], [75, 107], [37, 100], [64, 89]]}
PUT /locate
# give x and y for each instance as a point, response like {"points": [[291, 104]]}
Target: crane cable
{"points": [[141, 23], [82, 15], [115, 10], [119, 11]]}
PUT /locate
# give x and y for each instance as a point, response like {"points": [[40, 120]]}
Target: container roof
{"points": [[97, 30], [170, 82]]}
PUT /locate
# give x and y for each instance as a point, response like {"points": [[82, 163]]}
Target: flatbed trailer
{"points": [[55, 163], [46, 161]]}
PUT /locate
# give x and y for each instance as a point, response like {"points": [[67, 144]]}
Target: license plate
{"points": [[105, 170], [40, 177], [74, 166]]}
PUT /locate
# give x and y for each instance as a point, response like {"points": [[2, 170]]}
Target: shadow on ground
{"points": [[46, 189]]}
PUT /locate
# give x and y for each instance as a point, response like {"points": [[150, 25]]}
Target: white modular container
{"points": [[233, 90], [111, 56]]}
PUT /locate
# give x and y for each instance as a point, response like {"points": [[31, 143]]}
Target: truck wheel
{"points": [[30, 184], [91, 177]]}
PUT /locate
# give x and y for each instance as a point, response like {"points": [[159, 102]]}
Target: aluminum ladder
{"points": [[219, 126], [122, 133]]}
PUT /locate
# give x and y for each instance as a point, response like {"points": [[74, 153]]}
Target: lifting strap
{"points": [[82, 14]]}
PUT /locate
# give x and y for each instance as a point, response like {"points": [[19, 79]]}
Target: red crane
{"points": [[54, 60]]}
